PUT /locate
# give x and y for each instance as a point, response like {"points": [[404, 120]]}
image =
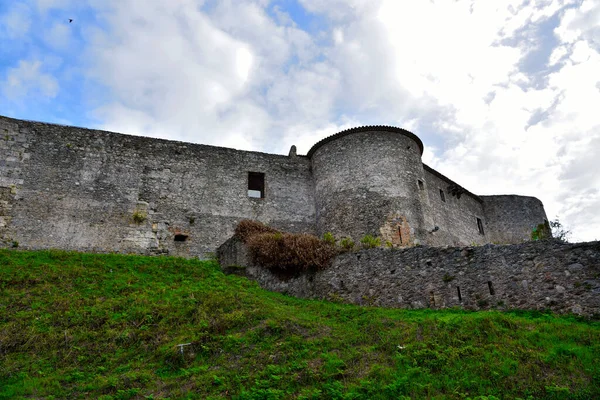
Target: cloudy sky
{"points": [[504, 94]]}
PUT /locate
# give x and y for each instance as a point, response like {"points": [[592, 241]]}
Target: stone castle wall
{"points": [[536, 275], [80, 189], [511, 217], [456, 215]]}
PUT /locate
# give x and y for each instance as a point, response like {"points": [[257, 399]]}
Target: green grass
{"points": [[107, 326]]}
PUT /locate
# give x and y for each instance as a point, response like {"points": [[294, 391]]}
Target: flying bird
{"points": [[70, 20]]}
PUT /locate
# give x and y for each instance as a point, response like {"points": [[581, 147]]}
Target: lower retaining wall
{"points": [[539, 275]]}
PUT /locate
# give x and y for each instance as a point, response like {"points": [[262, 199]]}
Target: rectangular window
{"points": [[421, 185], [480, 226], [180, 237], [442, 195], [256, 185]]}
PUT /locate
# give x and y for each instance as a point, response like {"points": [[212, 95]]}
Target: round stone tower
{"points": [[367, 182]]}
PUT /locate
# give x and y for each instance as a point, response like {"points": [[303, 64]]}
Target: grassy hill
{"points": [[107, 326]]}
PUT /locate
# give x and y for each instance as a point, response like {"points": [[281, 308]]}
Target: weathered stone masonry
{"points": [[80, 189], [536, 275]]}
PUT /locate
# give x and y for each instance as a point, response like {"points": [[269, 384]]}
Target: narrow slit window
{"points": [[421, 185], [480, 225], [180, 237], [459, 296], [491, 287], [442, 195], [256, 185]]}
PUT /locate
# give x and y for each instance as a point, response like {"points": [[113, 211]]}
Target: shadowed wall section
{"points": [[512, 218], [454, 211], [536, 275]]}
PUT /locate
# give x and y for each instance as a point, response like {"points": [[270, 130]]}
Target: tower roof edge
{"points": [[367, 128]]}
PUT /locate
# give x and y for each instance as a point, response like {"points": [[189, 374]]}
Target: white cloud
{"points": [[581, 22], [452, 72], [339, 10], [558, 54], [243, 62], [444, 57], [582, 52], [175, 71], [58, 36], [305, 136], [49, 4], [338, 36], [304, 94], [169, 69], [27, 79], [451, 55], [15, 23]]}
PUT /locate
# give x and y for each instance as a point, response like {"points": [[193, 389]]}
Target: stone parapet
{"points": [[543, 275]]}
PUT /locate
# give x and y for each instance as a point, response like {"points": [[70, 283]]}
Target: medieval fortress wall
{"points": [[80, 189], [539, 275]]}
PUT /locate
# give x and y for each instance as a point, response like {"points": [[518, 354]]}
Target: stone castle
{"points": [[80, 189]]}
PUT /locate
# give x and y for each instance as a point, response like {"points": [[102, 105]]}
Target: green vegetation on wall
{"points": [[370, 242], [139, 216], [548, 230], [541, 232], [347, 244]]}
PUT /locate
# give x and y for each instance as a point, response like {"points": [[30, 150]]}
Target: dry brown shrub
{"points": [[247, 228], [289, 252]]}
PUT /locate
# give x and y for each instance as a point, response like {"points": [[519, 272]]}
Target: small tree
{"points": [[559, 231], [551, 230]]}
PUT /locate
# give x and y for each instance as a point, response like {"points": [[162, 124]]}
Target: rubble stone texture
{"points": [[541, 275], [80, 189]]}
